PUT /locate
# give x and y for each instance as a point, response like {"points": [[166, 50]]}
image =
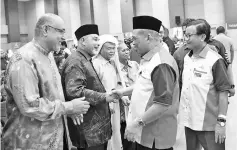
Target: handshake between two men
{"points": [[81, 106]]}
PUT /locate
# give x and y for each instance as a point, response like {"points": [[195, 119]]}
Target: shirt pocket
{"points": [[202, 76]]}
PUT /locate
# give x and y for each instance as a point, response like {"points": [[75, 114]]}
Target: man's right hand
{"points": [[112, 97], [80, 106]]}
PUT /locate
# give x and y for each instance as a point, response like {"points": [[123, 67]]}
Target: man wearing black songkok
{"points": [[79, 79], [152, 117]]}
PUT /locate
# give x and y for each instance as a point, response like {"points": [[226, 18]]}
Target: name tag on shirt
{"points": [[198, 73]]}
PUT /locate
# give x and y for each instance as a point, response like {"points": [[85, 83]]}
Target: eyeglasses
{"points": [[189, 35], [62, 31]]}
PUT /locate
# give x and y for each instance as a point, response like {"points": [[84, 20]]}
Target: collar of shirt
{"points": [[151, 53], [86, 55], [103, 60], [40, 48], [202, 54], [128, 64]]}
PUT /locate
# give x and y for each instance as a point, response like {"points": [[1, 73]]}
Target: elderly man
{"points": [[107, 71], [203, 102], [152, 117], [129, 70], [35, 100], [79, 78]]}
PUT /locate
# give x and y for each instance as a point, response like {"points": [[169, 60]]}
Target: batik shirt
{"points": [[35, 101], [79, 78]]}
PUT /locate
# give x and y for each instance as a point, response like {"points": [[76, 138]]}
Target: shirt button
{"points": [[27, 136], [32, 119]]}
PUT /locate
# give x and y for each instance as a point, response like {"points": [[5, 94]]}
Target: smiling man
{"points": [[79, 78], [203, 101], [152, 117], [35, 100], [106, 68]]}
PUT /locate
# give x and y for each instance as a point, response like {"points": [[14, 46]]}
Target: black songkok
{"points": [[86, 30], [146, 22]]}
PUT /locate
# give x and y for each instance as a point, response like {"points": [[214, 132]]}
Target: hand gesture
{"points": [[118, 93], [112, 97], [131, 130], [125, 100], [227, 57], [231, 92], [80, 106], [77, 118], [220, 134]]}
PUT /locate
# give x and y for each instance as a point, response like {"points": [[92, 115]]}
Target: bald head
{"points": [[47, 19]]}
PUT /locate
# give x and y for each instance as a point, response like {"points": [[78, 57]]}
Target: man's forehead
{"points": [[122, 46], [191, 29], [136, 32], [58, 23], [109, 44], [93, 35]]}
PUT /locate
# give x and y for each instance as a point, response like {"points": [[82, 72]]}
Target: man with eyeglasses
{"points": [[204, 94], [36, 107], [180, 53]]}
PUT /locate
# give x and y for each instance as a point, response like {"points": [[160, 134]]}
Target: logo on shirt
{"points": [[198, 72]]}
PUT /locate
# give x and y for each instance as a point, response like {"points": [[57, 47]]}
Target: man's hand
{"points": [[112, 97], [220, 134], [132, 129], [125, 100], [118, 93], [227, 57], [231, 92], [77, 118], [80, 106]]}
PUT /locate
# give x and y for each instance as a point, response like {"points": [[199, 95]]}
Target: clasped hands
{"points": [[113, 96], [80, 106]]}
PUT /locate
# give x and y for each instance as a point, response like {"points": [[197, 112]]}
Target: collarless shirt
{"points": [[106, 71], [34, 101]]}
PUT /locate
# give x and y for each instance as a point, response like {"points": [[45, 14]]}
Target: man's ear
{"points": [[83, 41], [203, 37], [45, 30], [149, 37]]}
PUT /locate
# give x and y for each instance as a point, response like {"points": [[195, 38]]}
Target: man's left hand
{"points": [[220, 134], [132, 130], [231, 92], [76, 118]]}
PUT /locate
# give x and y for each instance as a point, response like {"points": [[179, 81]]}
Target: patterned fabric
{"points": [[34, 101], [80, 79]]}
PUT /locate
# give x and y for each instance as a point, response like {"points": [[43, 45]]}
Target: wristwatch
{"points": [[221, 121], [140, 122]]}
